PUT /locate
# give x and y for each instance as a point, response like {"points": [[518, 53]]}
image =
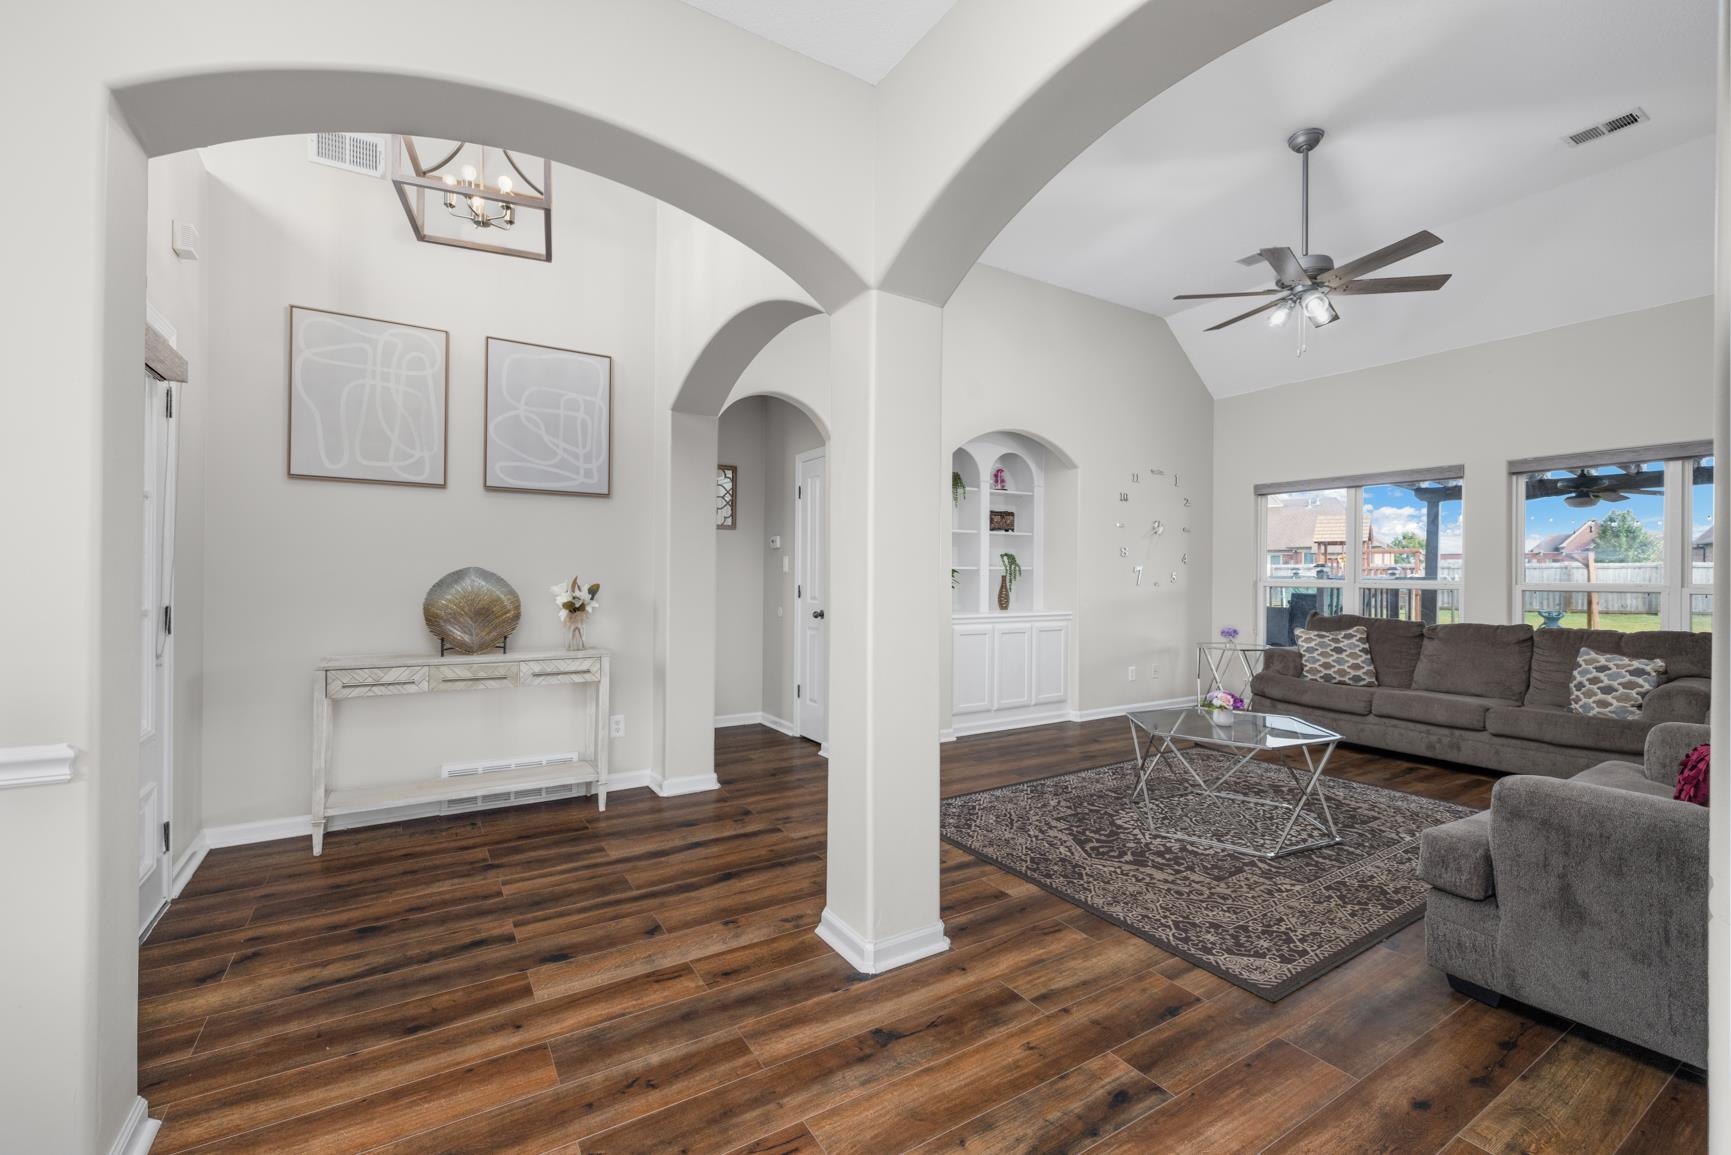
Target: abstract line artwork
{"points": [[367, 399], [549, 419]]}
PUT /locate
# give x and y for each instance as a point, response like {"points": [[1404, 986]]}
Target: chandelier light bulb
{"points": [[468, 174], [505, 185]]}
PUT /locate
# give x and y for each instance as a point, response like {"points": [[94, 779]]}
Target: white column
{"points": [[887, 483], [685, 632]]}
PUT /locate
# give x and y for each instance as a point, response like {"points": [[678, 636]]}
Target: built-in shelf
{"points": [[964, 531], [1004, 532], [1000, 569], [966, 568], [1011, 492]]}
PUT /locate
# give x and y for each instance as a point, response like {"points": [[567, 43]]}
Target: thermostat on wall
{"points": [[775, 542]]}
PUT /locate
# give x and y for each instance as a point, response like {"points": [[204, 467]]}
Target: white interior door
{"points": [[156, 652], [811, 589]]}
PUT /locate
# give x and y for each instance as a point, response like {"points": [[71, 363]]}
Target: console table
{"points": [[338, 679]]}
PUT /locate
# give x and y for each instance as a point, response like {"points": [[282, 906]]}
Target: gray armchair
{"points": [[1586, 897]]}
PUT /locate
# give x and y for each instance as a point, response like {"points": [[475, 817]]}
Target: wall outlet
{"points": [[1132, 674], [616, 726], [784, 563], [775, 542]]}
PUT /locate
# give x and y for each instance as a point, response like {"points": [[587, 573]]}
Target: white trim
{"points": [[756, 718], [36, 765], [869, 957], [137, 1132], [301, 825], [1099, 712], [683, 784], [188, 865], [800, 460], [967, 729]]}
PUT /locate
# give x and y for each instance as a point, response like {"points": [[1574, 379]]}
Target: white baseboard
{"points": [[756, 718], [684, 784], [301, 825], [873, 958], [188, 864], [989, 725], [1099, 712], [137, 1133]]}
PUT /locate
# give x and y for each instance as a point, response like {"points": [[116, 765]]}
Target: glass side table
{"points": [[1221, 664]]}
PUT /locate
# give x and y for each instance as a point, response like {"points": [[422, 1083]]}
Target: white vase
{"points": [[574, 631]]}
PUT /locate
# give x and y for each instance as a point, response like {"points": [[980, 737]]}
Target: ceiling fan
{"points": [[1587, 489], [1306, 281]]}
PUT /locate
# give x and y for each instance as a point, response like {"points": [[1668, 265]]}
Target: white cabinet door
{"points": [[1012, 666], [971, 669], [1051, 662]]}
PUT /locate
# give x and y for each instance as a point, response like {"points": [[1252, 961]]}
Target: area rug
{"points": [[1267, 925]]}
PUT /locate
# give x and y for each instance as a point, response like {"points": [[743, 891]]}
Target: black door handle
{"points": [[818, 614]]}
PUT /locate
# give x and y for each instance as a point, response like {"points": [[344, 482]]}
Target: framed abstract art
{"points": [[549, 419], [367, 399]]}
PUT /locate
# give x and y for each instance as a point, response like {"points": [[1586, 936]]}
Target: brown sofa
{"points": [[1490, 696]]}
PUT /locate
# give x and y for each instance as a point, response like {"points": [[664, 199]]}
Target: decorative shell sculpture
{"points": [[472, 609]]}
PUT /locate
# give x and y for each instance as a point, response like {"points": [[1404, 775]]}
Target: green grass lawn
{"points": [[1628, 623]]}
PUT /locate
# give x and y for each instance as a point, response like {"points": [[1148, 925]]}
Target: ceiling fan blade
{"points": [[1395, 284], [1215, 296], [1251, 261], [1287, 270], [1262, 308], [1388, 255], [1647, 492]]}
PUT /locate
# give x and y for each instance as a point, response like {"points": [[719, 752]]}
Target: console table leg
{"points": [[318, 837]]}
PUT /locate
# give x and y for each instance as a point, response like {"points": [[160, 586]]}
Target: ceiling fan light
{"points": [[1580, 501], [1318, 308], [1278, 318]]}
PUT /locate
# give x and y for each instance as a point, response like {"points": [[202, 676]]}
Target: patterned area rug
{"points": [[1269, 926]]}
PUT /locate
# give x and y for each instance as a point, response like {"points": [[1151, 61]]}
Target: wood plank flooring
{"points": [[549, 979]]}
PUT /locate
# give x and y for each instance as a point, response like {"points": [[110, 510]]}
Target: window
{"points": [[1387, 546], [1617, 544]]}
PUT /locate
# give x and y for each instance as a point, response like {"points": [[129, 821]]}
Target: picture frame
{"points": [[368, 399], [548, 420], [1001, 521], [727, 497]]}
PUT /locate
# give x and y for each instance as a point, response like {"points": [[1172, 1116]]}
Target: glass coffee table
{"points": [[1247, 734]]}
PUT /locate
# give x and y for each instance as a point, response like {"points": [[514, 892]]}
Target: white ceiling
{"points": [[865, 38], [1440, 115]]}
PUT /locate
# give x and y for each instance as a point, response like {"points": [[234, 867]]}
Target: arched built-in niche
{"points": [[1011, 666]]}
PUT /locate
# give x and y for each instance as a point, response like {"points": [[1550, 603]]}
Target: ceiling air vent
{"points": [[1606, 127], [361, 152]]}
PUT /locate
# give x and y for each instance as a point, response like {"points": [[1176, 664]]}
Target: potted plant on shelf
{"points": [[1000, 479], [958, 488], [1007, 582]]}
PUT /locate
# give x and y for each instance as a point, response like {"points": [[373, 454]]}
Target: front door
{"points": [[811, 588], [156, 652]]}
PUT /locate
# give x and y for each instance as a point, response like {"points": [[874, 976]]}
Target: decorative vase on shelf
{"points": [[574, 631], [1003, 592]]}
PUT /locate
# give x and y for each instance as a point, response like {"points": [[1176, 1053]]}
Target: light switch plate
{"points": [[775, 542]]}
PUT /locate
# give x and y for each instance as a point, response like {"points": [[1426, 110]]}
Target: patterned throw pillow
{"points": [[1338, 656], [1612, 686]]}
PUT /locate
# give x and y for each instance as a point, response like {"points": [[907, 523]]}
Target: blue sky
{"points": [[1392, 509]]}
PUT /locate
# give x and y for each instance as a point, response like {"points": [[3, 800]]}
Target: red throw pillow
{"points": [[1692, 779]]}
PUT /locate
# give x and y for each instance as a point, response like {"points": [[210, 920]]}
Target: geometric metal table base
{"points": [[1308, 783]]}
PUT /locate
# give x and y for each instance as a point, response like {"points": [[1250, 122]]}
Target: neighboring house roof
{"points": [[1577, 540], [1705, 537], [1302, 525]]}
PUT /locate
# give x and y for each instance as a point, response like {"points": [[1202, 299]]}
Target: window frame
{"points": [[1676, 591], [1352, 583]]}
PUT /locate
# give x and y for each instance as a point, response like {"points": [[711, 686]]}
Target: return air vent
{"points": [[1606, 127], [485, 800], [360, 152]]}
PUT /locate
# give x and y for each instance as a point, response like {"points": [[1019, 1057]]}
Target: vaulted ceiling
{"points": [[1441, 114]]}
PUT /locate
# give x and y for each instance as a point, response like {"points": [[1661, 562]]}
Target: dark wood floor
{"points": [[548, 979]]}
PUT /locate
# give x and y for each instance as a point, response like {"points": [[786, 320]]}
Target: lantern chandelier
{"points": [[483, 190]]}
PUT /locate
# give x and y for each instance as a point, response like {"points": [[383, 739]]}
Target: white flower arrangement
{"points": [[576, 598]]}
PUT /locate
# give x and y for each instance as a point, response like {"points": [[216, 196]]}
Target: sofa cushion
{"points": [[1338, 656], [1456, 711], [1456, 856], [1479, 660], [1556, 651], [1679, 700], [1394, 645], [1304, 692], [1611, 685], [1622, 776], [1565, 728]]}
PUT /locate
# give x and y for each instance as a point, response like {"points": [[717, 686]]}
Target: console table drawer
{"points": [[558, 671], [376, 682], [475, 675]]}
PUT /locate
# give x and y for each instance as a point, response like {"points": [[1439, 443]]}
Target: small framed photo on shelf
{"points": [[1002, 521]]}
